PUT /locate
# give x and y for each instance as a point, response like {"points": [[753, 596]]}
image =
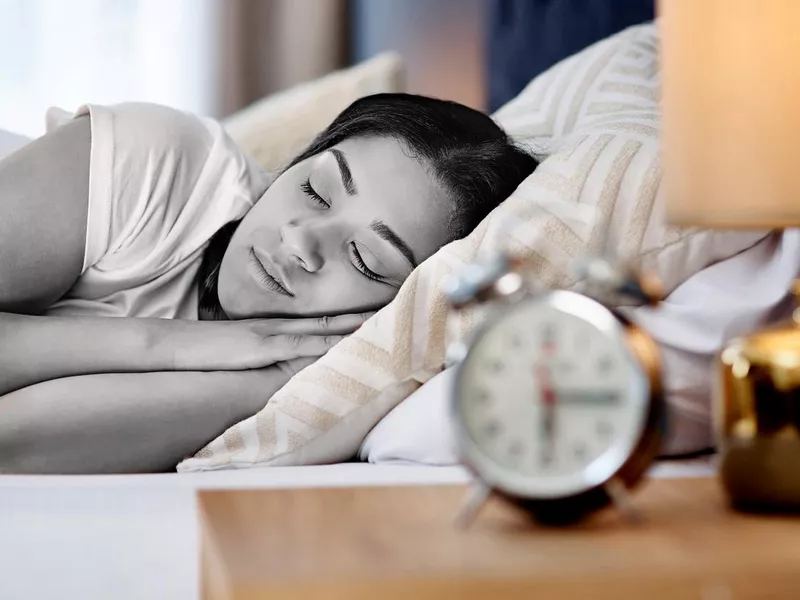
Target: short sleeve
{"points": [[162, 181]]}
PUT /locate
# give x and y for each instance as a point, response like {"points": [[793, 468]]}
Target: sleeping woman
{"points": [[157, 286]]}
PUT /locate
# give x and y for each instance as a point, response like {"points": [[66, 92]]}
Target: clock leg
{"points": [[476, 497], [621, 499]]}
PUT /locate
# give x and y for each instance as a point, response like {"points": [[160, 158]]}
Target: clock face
{"points": [[549, 399]]}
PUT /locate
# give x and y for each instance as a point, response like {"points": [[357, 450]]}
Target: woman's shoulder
{"points": [[178, 144], [172, 179], [159, 129], [194, 138]]}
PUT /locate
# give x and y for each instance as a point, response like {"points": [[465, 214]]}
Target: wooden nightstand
{"points": [[401, 543]]}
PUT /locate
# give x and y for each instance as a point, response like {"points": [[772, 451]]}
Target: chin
{"points": [[233, 312], [230, 302], [237, 306]]}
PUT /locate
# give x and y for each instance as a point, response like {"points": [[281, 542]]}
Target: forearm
{"points": [[35, 349], [125, 423]]}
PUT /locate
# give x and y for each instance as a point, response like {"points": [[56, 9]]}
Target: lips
{"points": [[270, 274]]}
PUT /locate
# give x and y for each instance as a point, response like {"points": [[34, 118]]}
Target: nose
{"points": [[301, 242]]}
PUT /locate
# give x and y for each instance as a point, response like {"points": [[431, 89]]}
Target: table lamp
{"points": [[731, 119]]}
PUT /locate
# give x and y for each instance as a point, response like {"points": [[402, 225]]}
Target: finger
{"points": [[293, 367], [336, 325], [291, 346]]}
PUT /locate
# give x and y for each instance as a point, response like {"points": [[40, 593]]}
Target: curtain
{"points": [[285, 42], [441, 42], [207, 56]]}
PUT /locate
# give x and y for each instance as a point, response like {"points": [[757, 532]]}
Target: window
{"points": [[57, 53]]}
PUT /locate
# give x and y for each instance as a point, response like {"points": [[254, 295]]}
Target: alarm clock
{"points": [[557, 400]]}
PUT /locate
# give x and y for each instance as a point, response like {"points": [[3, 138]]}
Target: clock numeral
{"points": [[548, 334], [579, 451], [604, 365], [516, 448], [492, 428], [515, 341], [547, 458], [495, 366], [604, 429], [482, 397]]}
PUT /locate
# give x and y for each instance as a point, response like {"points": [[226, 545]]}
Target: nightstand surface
{"points": [[401, 542]]}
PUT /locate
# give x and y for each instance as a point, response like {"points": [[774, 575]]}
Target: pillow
{"points": [[276, 129], [594, 119], [418, 430]]}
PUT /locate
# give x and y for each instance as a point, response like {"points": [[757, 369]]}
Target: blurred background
{"points": [[213, 57]]}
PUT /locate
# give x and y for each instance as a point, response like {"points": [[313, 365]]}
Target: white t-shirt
{"points": [[161, 183]]}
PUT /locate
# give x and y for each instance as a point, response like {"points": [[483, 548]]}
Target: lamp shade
{"points": [[731, 112]]}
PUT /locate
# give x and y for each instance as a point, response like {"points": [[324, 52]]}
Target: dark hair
{"points": [[465, 150], [470, 155]]}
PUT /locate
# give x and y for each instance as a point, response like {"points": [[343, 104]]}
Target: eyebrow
{"points": [[385, 232], [344, 170]]}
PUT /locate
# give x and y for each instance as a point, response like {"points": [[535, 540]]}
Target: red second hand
{"points": [[549, 399], [543, 373]]}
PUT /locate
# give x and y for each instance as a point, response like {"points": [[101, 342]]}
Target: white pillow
{"points": [[418, 430]]}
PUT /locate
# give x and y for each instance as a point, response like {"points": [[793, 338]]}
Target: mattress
{"points": [[135, 536]]}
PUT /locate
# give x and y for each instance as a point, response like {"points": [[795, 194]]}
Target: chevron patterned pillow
{"points": [[594, 120]]}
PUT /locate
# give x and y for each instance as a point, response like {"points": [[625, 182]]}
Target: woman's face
{"points": [[336, 233]]}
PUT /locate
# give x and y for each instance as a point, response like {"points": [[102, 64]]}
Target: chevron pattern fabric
{"points": [[594, 121]]}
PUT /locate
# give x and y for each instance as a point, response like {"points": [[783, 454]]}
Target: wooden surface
{"points": [[389, 543]]}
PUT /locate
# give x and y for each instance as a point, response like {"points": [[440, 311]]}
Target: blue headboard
{"points": [[526, 37]]}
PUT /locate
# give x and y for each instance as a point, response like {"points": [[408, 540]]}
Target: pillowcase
{"points": [[418, 430], [595, 118], [276, 129]]}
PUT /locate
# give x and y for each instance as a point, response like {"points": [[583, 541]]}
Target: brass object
{"points": [[757, 414]]}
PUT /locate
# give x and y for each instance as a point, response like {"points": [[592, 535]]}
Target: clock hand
{"points": [[549, 398]]}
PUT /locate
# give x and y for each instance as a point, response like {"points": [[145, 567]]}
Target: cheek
{"points": [[345, 291]]}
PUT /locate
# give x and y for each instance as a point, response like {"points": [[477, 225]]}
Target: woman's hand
{"points": [[258, 343]]}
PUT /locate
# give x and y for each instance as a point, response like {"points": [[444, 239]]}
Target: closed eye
{"points": [[361, 265], [309, 191]]}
